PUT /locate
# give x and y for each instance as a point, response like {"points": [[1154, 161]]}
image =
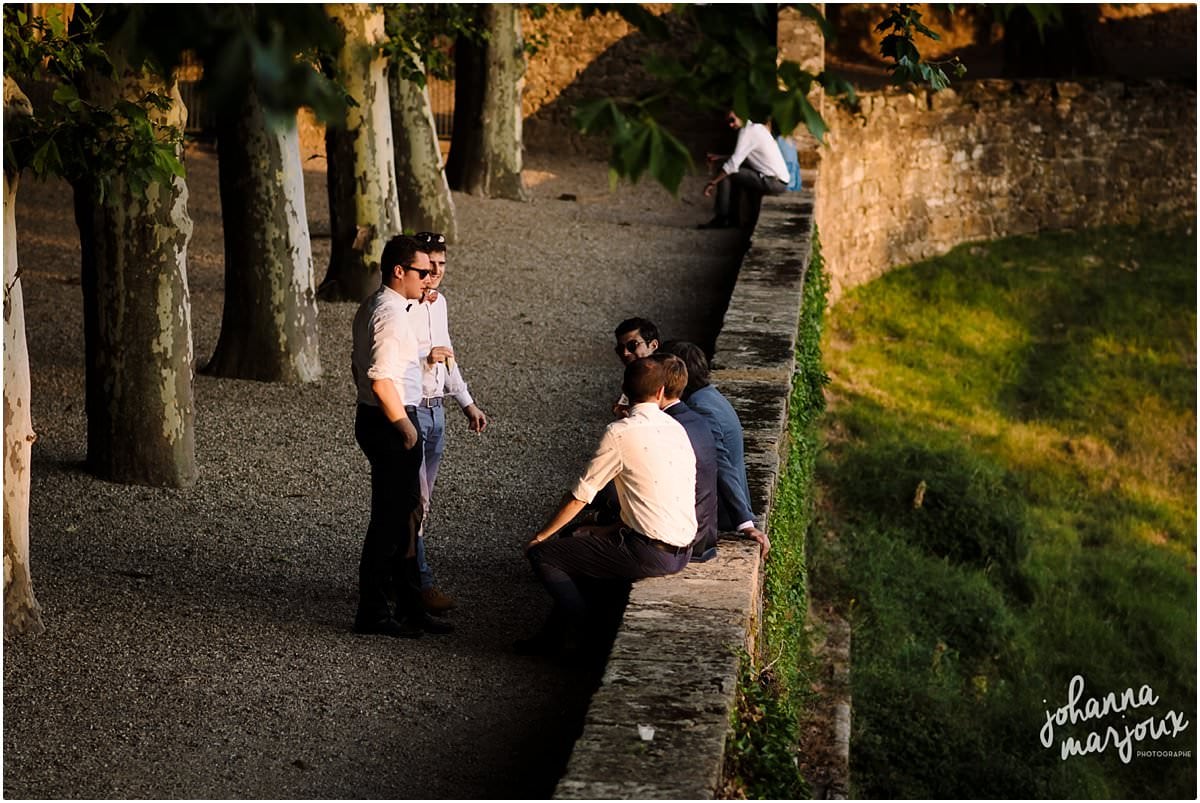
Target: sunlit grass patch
{"points": [[1010, 469]]}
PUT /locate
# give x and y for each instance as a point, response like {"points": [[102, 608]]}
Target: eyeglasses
{"points": [[630, 346], [430, 238], [422, 273]]}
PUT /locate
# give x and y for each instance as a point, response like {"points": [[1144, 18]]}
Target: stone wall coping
{"points": [[675, 662]]}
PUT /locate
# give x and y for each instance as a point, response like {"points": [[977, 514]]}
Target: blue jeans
{"points": [[431, 421]]}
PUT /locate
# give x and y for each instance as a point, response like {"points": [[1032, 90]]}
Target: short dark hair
{"points": [[645, 328], [675, 373], [399, 250], [693, 357], [643, 379]]}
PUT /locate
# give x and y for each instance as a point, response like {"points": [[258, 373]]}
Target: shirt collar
{"points": [[643, 407]]}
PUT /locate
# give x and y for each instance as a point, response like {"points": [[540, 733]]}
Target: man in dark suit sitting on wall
{"points": [[675, 378]]}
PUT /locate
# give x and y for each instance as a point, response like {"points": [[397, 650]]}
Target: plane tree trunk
{"points": [[269, 323], [364, 205], [486, 157], [425, 200], [22, 614], [137, 314]]}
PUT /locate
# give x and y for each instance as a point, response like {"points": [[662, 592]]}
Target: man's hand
{"points": [[537, 539], [620, 410], [440, 354], [407, 431], [476, 420], [431, 295], [759, 536]]}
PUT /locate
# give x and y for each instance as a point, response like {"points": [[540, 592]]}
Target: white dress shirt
{"points": [[431, 323], [649, 459], [758, 149], [385, 347]]}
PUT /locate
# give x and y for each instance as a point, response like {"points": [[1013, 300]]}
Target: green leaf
{"points": [[812, 119]]}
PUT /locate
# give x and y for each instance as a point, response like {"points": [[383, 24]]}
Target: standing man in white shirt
{"points": [[757, 168], [648, 457], [387, 377], [441, 376]]}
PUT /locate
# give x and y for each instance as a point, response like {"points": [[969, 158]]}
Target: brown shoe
{"points": [[435, 601]]}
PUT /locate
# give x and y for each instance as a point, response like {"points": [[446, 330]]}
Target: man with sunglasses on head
{"points": [[440, 377], [756, 168], [387, 375]]}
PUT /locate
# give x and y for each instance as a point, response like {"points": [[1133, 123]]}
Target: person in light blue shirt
{"points": [[733, 491]]}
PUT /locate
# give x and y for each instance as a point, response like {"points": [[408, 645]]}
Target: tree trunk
{"points": [[269, 325], [425, 201], [21, 611], [364, 205], [490, 162], [469, 78], [137, 315]]}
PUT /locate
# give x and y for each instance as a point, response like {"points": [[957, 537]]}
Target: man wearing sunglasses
{"points": [[756, 168], [387, 375], [440, 377], [636, 338]]}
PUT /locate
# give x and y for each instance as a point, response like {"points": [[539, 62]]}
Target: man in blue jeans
{"points": [[441, 377]]}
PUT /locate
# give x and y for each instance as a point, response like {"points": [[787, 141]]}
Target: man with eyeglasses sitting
{"points": [[387, 377], [636, 338], [440, 376]]}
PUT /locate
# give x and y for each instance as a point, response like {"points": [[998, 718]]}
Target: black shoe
{"points": [[388, 627], [423, 622], [703, 555], [716, 223], [542, 644]]}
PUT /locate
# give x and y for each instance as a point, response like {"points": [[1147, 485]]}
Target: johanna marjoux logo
{"points": [[1114, 722]]}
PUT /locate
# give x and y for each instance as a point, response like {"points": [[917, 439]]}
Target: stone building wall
{"points": [[920, 172], [578, 59]]}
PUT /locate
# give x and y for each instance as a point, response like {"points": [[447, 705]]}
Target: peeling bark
{"points": [[137, 316], [364, 204], [22, 614], [491, 164], [425, 200], [269, 323]]}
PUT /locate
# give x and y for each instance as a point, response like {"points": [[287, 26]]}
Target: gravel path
{"points": [[198, 642]]}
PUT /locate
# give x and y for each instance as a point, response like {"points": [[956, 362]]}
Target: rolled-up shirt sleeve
{"points": [[392, 351], [604, 466]]}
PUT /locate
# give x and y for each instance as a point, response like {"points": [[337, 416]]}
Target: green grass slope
{"points": [[1009, 500]]}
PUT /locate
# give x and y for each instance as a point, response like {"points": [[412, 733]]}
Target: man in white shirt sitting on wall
{"points": [[756, 168], [441, 376], [649, 459]]}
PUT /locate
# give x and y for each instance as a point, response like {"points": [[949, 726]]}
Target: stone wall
{"points": [[918, 173], [578, 59]]}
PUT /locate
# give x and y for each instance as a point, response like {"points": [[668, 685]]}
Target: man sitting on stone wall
{"points": [[733, 500], [649, 459], [756, 168]]}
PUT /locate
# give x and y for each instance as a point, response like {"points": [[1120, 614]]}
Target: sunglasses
{"points": [[629, 346], [430, 238], [422, 273]]}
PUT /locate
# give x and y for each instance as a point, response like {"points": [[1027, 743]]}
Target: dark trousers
{"points": [[621, 555], [753, 185], [388, 568]]}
